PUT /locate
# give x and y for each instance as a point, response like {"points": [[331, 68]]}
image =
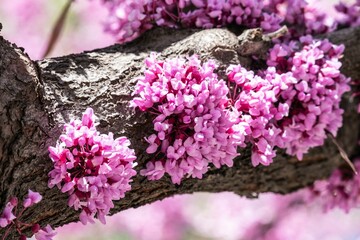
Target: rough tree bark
{"points": [[37, 97]]}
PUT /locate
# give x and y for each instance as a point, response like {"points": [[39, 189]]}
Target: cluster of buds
{"points": [[13, 212]]}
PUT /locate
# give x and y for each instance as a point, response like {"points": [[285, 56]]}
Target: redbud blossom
{"points": [[7, 215], [340, 190], [193, 123], [32, 198], [314, 98], [93, 168]]}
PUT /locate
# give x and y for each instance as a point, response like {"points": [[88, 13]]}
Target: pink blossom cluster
{"points": [[340, 190], [218, 13], [256, 99], [10, 217], [193, 123], [293, 105], [349, 14], [301, 17], [93, 168], [314, 100], [128, 19]]}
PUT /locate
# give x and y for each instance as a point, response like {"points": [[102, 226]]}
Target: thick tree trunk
{"points": [[38, 97]]}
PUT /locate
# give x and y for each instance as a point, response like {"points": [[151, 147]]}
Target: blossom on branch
{"points": [[256, 99], [340, 190], [11, 217], [7, 216], [93, 168], [314, 99], [32, 198], [193, 122]]}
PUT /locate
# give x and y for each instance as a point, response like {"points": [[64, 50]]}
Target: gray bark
{"points": [[38, 97]]}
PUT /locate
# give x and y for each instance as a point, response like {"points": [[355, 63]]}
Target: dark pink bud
{"points": [[35, 228], [14, 201]]}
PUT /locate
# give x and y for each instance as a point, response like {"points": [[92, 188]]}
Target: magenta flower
{"points": [[7, 216], [10, 219], [193, 123], [294, 103], [314, 98], [348, 14], [128, 19], [341, 190], [301, 17], [256, 100], [32, 198], [93, 168]]}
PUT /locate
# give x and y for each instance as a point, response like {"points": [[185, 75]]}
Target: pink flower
{"points": [[256, 100], [193, 125], [32, 198], [7, 215], [128, 19], [294, 103], [9, 219], [341, 190], [314, 98], [93, 168], [348, 14]]}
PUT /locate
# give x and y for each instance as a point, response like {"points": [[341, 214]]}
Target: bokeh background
{"points": [[201, 216]]}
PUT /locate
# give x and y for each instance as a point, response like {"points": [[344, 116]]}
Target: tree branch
{"points": [[38, 97]]}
